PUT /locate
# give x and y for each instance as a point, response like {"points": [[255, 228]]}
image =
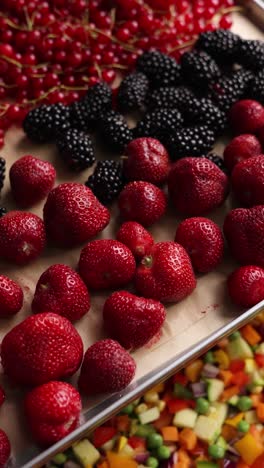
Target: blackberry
{"points": [[158, 124], [160, 69], [221, 44], [114, 132], [250, 54], [171, 98], [230, 88], [132, 92], [205, 112], [190, 141], [217, 160], [107, 180], [199, 69], [43, 123], [76, 149], [3, 211], [256, 88], [2, 172], [97, 101]]}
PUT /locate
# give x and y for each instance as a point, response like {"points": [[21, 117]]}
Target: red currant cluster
{"points": [[51, 51]]}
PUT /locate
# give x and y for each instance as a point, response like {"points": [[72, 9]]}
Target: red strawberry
{"points": [[5, 449], [106, 263], [11, 297], [132, 320], [22, 236], [106, 367], [52, 411], [203, 241], [248, 181], [246, 116], [240, 148], [142, 202], [73, 215], [136, 238], [244, 231], [2, 395], [147, 159], [165, 274], [43, 347], [61, 290], [246, 285], [196, 185], [31, 180]]}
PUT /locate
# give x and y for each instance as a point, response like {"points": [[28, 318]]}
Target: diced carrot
{"points": [[228, 432], [165, 419], [226, 376], [123, 423], [188, 438], [170, 433], [242, 464], [256, 399], [183, 457], [193, 370], [250, 334], [181, 464], [260, 412], [255, 433], [102, 464], [229, 392], [120, 461]]}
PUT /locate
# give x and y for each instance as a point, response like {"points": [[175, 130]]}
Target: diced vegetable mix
{"points": [[209, 415]]}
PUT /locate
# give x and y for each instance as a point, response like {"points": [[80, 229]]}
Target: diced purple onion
{"points": [[141, 457], [231, 449], [210, 371], [198, 389], [229, 463]]}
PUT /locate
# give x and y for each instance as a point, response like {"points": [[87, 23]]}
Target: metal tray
{"points": [[192, 326]]}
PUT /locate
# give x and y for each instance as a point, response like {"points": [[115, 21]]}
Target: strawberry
{"points": [[73, 215], [147, 159], [43, 347], [132, 320], [5, 449], [246, 285], [31, 180], [166, 273], [244, 231], [196, 186], [52, 411], [246, 116], [136, 238], [11, 297], [248, 181], [106, 263], [106, 367], [142, 202], [22, 237], [240, 148], [203, 241], [61, 290]]}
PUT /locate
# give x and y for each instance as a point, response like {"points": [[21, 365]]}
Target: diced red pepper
{"points": [[180, 378], [259, 358], [102, 435], [199, 450], [237, 365], [137, 442], [240, 378], [165, 419], [176, 404]]}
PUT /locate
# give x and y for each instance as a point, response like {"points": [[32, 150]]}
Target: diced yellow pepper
{"points": [[193, 370], [161, 405], [222, 358], [250, 365], [141, 408], [159, 388], [235, 420], [121, 443], [249, 448], [119, 461], [151, 397]]}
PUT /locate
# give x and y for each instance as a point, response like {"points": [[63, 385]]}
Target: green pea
{"points": [[215, 451], [128, 409], [243, 426], [209, 357], [182, 392], [163, 452], [152, 462], [154, 441], [234, 335], [202, 405], [59, 458], [244, 403]]}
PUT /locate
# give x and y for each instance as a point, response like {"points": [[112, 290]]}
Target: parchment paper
{"points": [[206, 310]]}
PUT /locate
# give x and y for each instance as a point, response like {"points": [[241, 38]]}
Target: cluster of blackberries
{"points": [[185, 106]]}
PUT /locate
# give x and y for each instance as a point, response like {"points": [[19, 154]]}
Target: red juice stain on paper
{"points": [[154, 340], [210, 308]]}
